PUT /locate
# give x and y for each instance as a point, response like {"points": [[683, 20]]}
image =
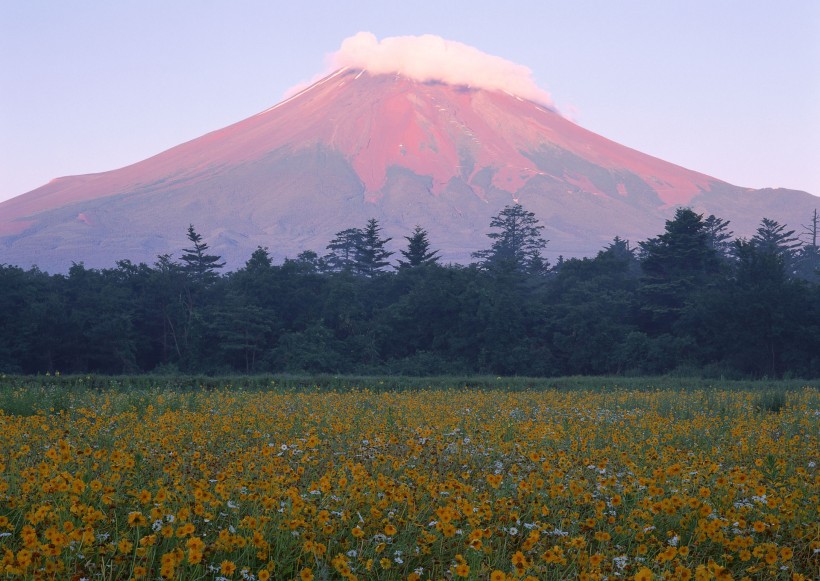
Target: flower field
{"points": [[427, 484]]}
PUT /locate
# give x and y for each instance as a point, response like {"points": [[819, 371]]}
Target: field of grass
{"points": [[368, 479]]}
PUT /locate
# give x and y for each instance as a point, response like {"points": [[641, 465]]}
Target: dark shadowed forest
{"points": [[691, 300]]}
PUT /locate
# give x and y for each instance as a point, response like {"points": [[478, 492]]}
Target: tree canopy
{"points": [[690, 300]]}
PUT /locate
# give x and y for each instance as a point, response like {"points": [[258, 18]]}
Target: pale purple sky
{"points": [[730, 88]]}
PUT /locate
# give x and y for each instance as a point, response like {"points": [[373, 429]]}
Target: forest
{"points": [[693, 300]]}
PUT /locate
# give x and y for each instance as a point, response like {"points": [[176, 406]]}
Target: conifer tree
{"points": [[418, 250], [773, 238], [200, 266], [342, 255], [718, 235], [517, 244], [371, 255], [674, 264]]}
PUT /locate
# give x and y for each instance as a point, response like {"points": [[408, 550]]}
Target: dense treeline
{"points": [[691, 300]]}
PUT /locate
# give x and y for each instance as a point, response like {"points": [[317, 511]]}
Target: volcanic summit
{"points": [[377, 139]]}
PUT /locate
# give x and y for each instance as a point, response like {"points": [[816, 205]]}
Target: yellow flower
{"points": [[24, 558], [643, 574], [519, 560], [227, 568], [137, 519], [306, 574]]}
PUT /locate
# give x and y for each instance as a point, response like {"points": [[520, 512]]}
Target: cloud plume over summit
{"points": [[431, 58]]}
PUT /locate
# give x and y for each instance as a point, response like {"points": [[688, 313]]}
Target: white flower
{"points": [[621, 561], [513, 531], [674, 541]]}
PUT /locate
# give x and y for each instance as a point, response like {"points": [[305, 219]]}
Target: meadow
{"points": [[368, 479]]}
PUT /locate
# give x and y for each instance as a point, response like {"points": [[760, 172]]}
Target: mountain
{"points": [[357, 145]]}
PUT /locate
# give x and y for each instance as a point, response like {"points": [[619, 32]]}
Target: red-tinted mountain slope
{"points": [[354, 146]]}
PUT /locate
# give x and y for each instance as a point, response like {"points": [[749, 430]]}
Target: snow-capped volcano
{"points": [[371, 142]]}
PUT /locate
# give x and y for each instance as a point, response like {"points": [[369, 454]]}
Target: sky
{"points": [[729, 88]]}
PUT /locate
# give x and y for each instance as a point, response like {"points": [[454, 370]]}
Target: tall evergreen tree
{"points": [[517, 243], [418, 251], [200, 266], [371, 255], [342, 255], [718, 235], [773, 238], [675, 264]]}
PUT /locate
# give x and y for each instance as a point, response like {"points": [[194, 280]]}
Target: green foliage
{"points": [[675, 264], [683, 305], [342, 255], [418, 251], [196, 263], [371, 255], [517, 243]]}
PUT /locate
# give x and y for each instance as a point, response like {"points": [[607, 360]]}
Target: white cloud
{"points": [[432, 58]]}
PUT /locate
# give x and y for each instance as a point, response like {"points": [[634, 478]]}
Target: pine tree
{"points": [[342, 255], [418, 250], [772, 238], [371, 256], [675, 264], [718, 235], [518, 243], [197, 264]]}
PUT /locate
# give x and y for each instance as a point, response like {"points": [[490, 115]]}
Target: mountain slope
{"points": [[356, 145]]}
